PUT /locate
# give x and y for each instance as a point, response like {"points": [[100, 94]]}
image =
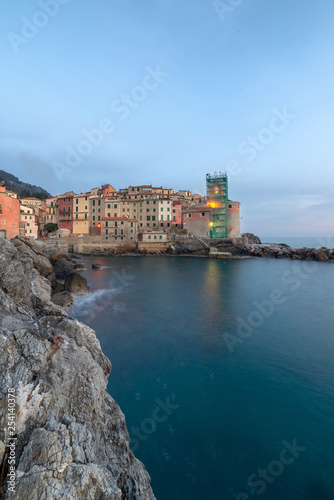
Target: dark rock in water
{"points": [[79, 267], [320, 254], [63, 268], [96, 266], [74, 256], [75, 283], [63, 299], [71, 437]]}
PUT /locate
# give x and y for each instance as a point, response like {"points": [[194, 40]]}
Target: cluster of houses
{"points": [[136, 213]]}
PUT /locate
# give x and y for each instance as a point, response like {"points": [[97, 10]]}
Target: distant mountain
{"points": [[22, 188]]}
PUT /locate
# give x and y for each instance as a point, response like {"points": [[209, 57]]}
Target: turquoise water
{"points": [[301, 241], [219, 367]]}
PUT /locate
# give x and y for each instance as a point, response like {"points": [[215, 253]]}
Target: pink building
{"points": [[177, 214]]}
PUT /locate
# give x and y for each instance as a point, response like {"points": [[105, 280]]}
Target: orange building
{"points": [[9, 213]]}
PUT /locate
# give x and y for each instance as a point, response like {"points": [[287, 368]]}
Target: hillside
{"points": [[22, 188]]}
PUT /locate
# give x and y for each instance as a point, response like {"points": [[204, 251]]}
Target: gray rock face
{"points": [[72, 442], [75, 283], [63, 299]]}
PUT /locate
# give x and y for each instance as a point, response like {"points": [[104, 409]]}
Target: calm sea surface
{"points": [[224, 371]]}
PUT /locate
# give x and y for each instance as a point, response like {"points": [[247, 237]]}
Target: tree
{"points": [[25, 193], [50, 226]]}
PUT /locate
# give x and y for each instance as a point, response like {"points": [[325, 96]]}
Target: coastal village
{"points": [[146, 215]]}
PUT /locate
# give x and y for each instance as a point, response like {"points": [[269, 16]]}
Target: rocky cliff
{"points": [[63, 432]]}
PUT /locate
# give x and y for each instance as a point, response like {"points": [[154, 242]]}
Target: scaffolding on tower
{"points": [[217, 196]]}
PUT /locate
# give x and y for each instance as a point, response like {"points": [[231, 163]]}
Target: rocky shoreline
{"points": [[64, 434], [248, 245]]}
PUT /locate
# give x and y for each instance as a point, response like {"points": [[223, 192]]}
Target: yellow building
{"points": [[81, 213], [32, 202]]}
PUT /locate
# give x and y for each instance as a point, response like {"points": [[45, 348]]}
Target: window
{"points": [[69, 200], [115, 215], [85, 207], [108, 206], [174, 218], [147, 210], [153, 217], [168, 209], [161, 210], [63, 209], [115, 223], [115, 206], [149, 236], [76, 216], [86, 199], [51, 204], [161, 237], [93, 217], [122, 223], [106, 224], [173, 210], [155, 237], [93, 203], [115, 233], [161, 217], [148, 217], [147, 202], [64, 199], [77, 201], [85, 216], [99, 210], [154, 210], [203, 214], [99, 202], [121, 231], [188, 215], [106, 231], [99, 217], [76, 209]]}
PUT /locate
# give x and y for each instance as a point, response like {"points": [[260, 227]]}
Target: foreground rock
{"points": [[63, 299], [72, 442]]}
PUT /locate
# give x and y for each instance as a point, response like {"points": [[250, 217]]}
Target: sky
{"points": [[164, 91]]}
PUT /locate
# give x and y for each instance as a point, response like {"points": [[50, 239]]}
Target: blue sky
{"points": [[224, 75]]}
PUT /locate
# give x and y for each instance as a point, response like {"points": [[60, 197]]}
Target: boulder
{"points": [[96, 266], [27, 246], [79, 267], [252, 239], [320, 255], [62, 268], [75, 283], [58, 286], [63, 299]]}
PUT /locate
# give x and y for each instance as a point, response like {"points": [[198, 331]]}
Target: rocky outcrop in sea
{"points": [[64, 434]]}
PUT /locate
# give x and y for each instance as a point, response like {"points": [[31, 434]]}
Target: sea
{"points": [[224, 371], [301, 241]]}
